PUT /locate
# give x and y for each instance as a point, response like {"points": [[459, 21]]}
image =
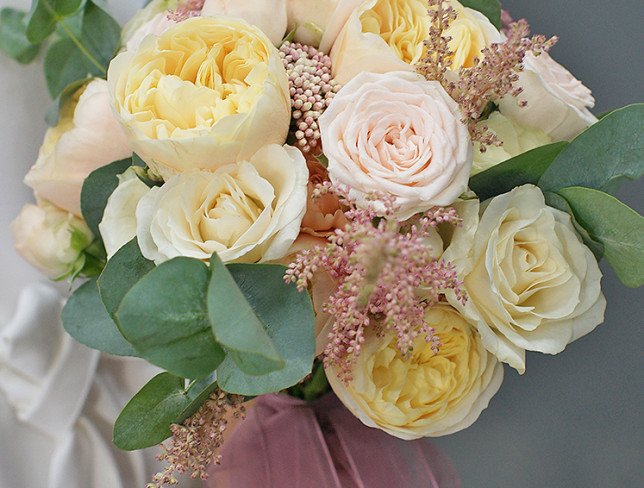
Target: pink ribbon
{"points": [[289, 443]]}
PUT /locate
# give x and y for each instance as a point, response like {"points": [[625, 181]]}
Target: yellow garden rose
{"points": [[207, 92], [387, 35], [427, 394]]}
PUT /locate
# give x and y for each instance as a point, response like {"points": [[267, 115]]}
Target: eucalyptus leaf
{"points": [[13, 37], [84, 318], [236, 326], [490, 8], [520, 170], [145, 421], [44, 16], [165, 317], [607, 152], [126, 268], [64, 65], [288, 318], [618, 227], [97, 188]]}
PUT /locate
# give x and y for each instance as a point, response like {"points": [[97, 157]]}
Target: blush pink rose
{"points": [[399, 134]]}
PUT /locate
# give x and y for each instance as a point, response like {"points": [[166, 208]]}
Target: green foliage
{"points": [[97, 188], [600, 157], [165, 317], [13, 36], [525, 168], [288, 317], [490, 8], [123, 271], [84, 318], [236, 325], [616, 226], [46, 14], [72, 57]]}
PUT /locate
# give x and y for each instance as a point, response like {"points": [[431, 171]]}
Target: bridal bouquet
{"points": [[386, 198]]}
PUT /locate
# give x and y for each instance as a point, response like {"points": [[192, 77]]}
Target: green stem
{"points": [[73, 38], [80, 46]]}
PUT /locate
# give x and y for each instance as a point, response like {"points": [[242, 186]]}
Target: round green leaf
{"points": [[13, 38], [619, 228], [289, 322], [608, 151], [165, 317], [237, 327], [86, 320], [122, 272]]}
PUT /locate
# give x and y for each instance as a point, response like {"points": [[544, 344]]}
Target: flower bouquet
{"points": [[386, 199]]}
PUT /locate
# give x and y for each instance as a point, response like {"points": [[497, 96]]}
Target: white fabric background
{"points": [[58, 399], [572, 421]]}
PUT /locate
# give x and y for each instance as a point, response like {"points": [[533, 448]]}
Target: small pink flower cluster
{"points": [[194, 443], [312, 88], [186, 10], [386, 272]]}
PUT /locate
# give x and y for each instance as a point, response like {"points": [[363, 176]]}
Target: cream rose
{"points": [[86, 137], [558, 103], [207, 92], [308, 19], [516, 140], [267, 15], [532, 284], [118, 226], [151, 20], [387, 35], [400, 134], [245, 212], [427, 394], [51, 239]]}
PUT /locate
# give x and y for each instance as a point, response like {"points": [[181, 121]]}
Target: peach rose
{"points": [[399, 134], [323, 214]]}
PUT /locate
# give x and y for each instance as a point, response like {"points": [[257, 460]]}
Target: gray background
{"points": [[576, 419], [573, 420]]}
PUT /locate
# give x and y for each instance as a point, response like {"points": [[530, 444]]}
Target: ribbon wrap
{"points": [[289, 443]]}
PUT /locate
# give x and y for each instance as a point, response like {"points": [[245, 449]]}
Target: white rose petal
{"points": [[532, 284], [268, 15], [118, 226], [246, 212], [558, 103]]}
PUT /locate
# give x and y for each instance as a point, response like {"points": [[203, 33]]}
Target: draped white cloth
{"points": [[58, 399]]}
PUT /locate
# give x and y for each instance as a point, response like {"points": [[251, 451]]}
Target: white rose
{"points": [[153, 19], [268, 15], [387, 35], [51, 239], [86, 137], [189, 103], [516, 140], [558, 103], [400, 134], [245, 212], [532, 284], [118, 226], [426, 394], [309, 19]]}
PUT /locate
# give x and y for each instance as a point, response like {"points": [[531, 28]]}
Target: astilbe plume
{"points": [[312, 88], [494, 74], [186, 10], [386, 273], [194, 443]]}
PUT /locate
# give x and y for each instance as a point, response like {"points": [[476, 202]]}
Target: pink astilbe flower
{"points": [[493, 75], [387, 276], [194, 443], [186, 10], [312, 88]]}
